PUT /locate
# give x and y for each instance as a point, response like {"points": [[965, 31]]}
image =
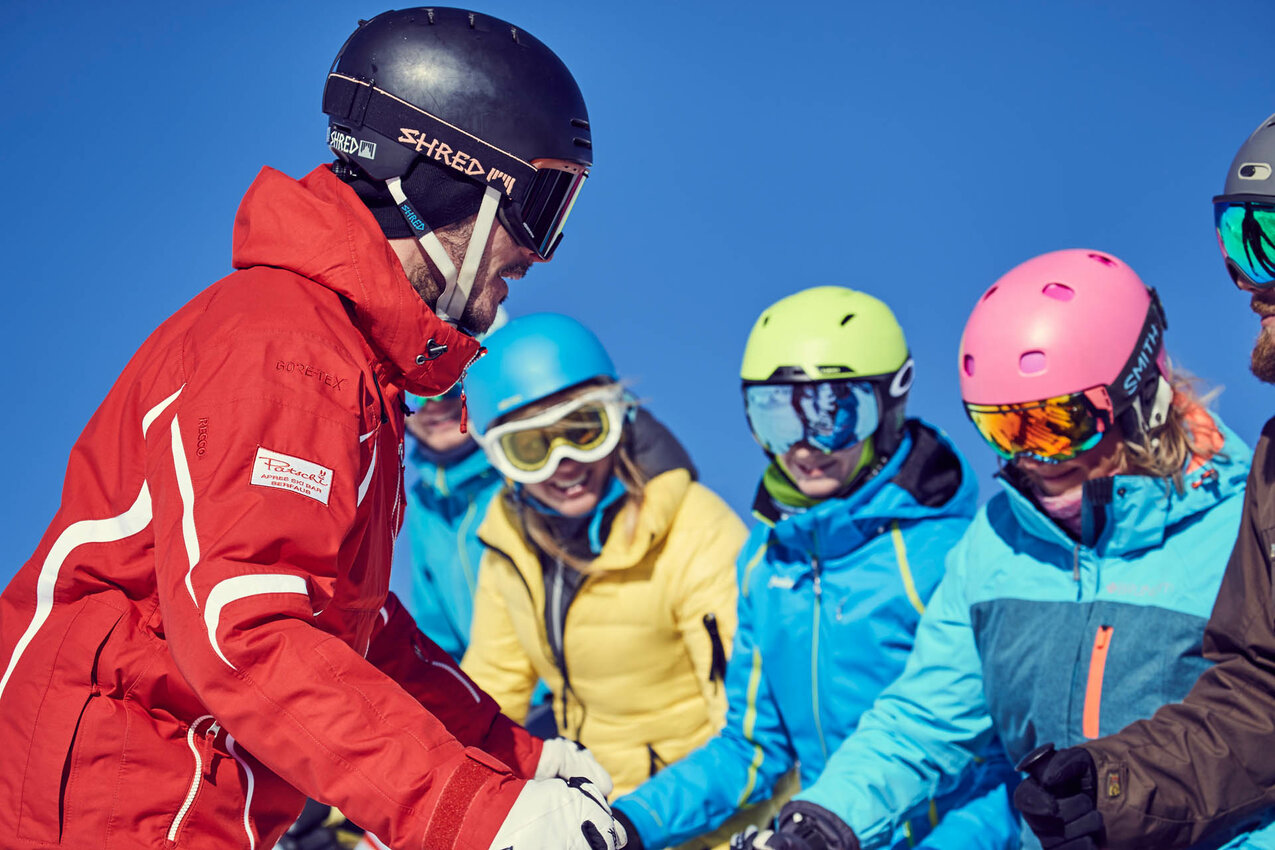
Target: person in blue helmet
{"points": [[857, 509], [609, 571]]}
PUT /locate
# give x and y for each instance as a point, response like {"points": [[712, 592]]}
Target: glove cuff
{"points": [[818, 827], [635, 837]]}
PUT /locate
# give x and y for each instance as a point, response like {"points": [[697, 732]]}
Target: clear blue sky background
{"points": [[744, 150]]}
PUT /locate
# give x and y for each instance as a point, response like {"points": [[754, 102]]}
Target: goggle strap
{"points": [[360, 103], [1124, 389], [454, 298], [429, 242]]}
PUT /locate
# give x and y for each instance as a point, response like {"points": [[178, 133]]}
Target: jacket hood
{"points": [[318, 228], [925, 478], [1134, 512]]}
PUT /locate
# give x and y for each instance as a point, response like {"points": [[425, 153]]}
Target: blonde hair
{"points": [[535, 527], [1164, 452]]}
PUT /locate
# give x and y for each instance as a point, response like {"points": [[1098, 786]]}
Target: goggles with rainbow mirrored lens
{"points": [[585, 429], [1053, 431], [826, 415], [1246, 235]]}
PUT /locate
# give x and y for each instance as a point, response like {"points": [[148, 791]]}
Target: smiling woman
{"points": [[609, 571]]}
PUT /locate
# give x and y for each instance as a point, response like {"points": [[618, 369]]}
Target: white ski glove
{"points": [[556, 814], [565, 758]]}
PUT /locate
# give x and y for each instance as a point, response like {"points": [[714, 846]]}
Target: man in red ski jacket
{"points": [[204, 635]]}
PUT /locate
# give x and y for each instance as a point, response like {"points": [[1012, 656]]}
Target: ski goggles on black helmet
{"points": [[537, 195], [1246, 234], [826, 415]]}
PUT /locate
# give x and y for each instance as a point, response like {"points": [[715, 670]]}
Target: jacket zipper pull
{"points": [[464, 410], [207, 752], [717, 667], [814, 563]]}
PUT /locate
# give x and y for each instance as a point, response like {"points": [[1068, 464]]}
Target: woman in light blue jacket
{"points": [[1076, 601], [856, 511]]}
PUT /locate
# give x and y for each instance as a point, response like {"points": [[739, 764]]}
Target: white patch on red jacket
{"points": [[275, 469]]}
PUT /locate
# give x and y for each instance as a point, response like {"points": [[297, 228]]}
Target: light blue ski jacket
{"points": [[1035, 638], [445, 505], [829, 601]]}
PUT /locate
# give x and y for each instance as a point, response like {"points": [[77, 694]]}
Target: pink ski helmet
{"points": [[1069, 322]]}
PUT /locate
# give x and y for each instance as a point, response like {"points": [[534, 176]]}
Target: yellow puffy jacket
{"points": [[636, 650]]}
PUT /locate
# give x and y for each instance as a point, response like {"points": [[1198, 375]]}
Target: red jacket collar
{"points": [[318, 228]]}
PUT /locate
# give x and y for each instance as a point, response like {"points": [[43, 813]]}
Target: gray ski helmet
{"points": [[1244, 214], [1251, 171], [467, 93]]}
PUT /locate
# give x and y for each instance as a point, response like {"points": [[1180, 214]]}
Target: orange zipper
{"points": [[1093, 690]]}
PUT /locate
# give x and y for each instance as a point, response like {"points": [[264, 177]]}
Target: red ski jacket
{"points": [[204, 634]]}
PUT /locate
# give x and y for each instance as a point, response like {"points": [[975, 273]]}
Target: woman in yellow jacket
{"points": [[609, 571]]}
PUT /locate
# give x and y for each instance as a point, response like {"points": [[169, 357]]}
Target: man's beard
{"points": [[480, 308], [1263, 361]]}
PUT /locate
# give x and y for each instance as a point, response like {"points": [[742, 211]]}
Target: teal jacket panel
{"points": [[445, 505], [1033, 637], [829, 601]]}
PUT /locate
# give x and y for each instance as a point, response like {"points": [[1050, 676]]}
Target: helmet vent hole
{"points": [[848, 317], [765, 320], [1103, 258], [580, 122], [1059, 291], [1032, 362], [969, 365], [988, 293]]}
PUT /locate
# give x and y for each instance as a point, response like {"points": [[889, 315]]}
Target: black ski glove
{"points": [[1059, 798], [801, 825], [320, 827]]}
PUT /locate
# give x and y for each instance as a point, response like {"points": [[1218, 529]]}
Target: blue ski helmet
{"points": [[532, 358]]}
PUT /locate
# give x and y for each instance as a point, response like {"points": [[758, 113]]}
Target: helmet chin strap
{"points": [[429, 242], [457, 285], [451, 304]]}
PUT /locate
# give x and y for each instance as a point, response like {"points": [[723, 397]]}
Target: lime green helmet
{"points": [[829, 334]]}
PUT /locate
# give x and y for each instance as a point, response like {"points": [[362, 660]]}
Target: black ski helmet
{"points": [[451, 103]]}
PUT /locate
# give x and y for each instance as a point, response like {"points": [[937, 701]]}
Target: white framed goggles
{"points": [[585, 429]]}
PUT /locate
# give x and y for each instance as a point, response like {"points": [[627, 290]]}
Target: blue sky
{"points": [[743, 151]]}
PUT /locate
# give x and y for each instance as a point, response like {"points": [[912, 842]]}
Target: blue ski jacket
{"points": [[829, 601], [445, 505], [1034, 637]]}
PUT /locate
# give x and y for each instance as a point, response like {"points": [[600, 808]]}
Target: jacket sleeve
{"points": [[738, 766], [405, 654], [495, 658], [707, 589], [1206, 763], [921, 734], [986, 822], [246, 574]]}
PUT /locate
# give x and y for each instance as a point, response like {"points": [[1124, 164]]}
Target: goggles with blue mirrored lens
{"points": [[826, 415]]}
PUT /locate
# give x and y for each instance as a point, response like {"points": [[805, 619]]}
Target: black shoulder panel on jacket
{"points": [[932, 471]]}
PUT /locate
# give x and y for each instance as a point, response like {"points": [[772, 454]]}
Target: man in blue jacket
{"points": [[857, 511]]}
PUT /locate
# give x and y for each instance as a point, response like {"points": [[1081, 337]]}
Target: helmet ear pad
{"points": [[441, 195]]}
